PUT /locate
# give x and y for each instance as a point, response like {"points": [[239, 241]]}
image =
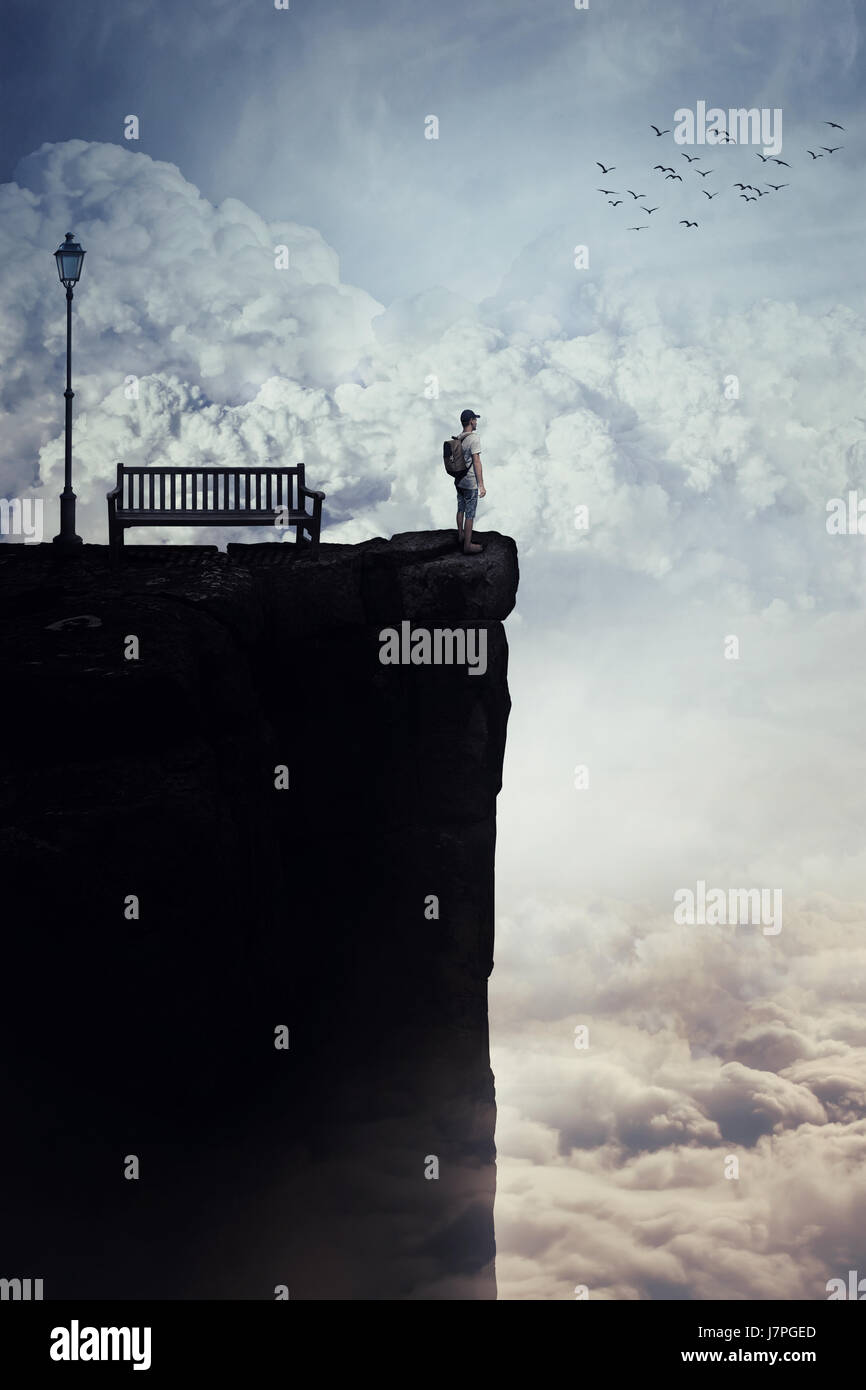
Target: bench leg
{"points": [[115, 540], [316, 527]]}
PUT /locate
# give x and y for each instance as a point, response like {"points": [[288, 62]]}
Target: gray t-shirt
{"points": [[471, 447]]}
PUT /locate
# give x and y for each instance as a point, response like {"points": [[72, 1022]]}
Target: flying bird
{"points": [[814, 155], [741, 185], [692, 158], [614, 191], [777, 186], [635, 195], [834, 148], [703, 172], [725, 136], [666, 132], [673, 176], [709, 195], [616, 204], [684, 223], [602, 168], [641, 228], [659, 166], [835, 125], [655, 209], [764, 157], [782, 161], [747, 198]]}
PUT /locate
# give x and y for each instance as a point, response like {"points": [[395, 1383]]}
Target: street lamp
{"points": [[70, 259]]}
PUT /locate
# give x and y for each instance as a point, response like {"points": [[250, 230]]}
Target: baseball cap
{"points": [[467, 415]]}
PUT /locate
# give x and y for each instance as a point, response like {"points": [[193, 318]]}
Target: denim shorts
{"points": [[467, 501]]}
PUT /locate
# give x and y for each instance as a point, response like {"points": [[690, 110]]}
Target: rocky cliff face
{"points": [[170, 907]]}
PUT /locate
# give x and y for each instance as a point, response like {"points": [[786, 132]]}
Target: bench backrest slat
{"points": [[209, 489]]}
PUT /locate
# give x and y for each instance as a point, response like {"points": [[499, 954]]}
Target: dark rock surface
{"points": [[258, 907]]}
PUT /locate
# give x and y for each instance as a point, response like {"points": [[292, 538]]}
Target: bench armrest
{"points": [[115, 492], [310, 492]]}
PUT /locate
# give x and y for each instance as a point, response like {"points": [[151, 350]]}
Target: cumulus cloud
{"points": [[178, 294], [705, 1043], [615, 1159], [591, 395], [669, 1225]]}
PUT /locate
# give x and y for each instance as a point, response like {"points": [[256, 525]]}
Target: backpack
{"points": [[454, 459]]}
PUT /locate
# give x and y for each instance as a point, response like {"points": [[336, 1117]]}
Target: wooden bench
{"points": [[212, 497]]}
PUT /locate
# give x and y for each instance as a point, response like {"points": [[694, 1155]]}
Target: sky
{"points": [[698, 390]]}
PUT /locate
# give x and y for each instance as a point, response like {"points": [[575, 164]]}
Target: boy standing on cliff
{"points": [[471, 486]]}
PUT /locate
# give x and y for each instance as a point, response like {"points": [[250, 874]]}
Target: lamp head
{"points": [[70, 260]]}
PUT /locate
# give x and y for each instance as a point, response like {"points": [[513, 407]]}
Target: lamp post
{"points": [[70, 259]]}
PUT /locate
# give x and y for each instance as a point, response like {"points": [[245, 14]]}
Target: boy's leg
{"points": [[470, 502]]}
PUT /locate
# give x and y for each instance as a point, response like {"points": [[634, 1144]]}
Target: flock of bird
{"points": [[748, 191]]}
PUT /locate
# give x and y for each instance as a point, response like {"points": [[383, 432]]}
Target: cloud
{"points": [[704, 1042], [615, 1160], [597, 397], [176, 293]]}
